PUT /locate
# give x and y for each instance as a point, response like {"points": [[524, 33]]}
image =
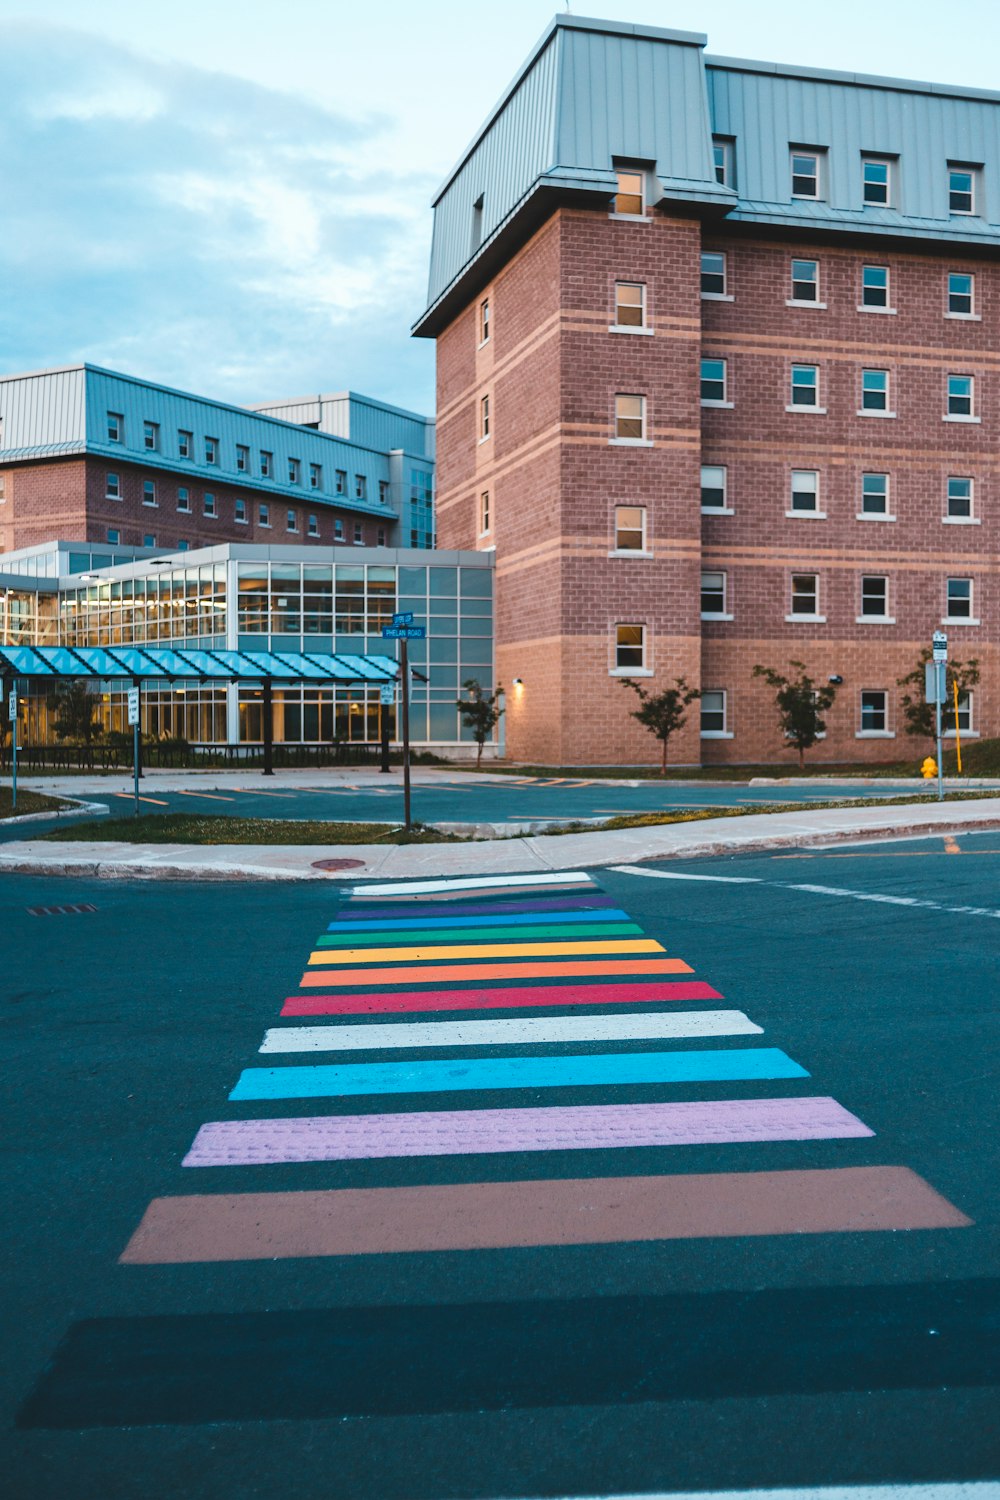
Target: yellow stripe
{"points": [[483, 950]]}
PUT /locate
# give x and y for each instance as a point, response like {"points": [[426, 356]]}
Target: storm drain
{"points": [[59, 911]]}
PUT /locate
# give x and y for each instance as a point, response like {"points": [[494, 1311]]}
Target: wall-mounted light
{"points": [[518, 682], [835, 678]]}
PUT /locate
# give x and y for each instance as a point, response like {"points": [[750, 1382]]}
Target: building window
{"points": [[484, 321], [959, 498], [185, 443], [713, 487], [266, 464], [959, 597], [723, 158], [874, 286], [149, 540], [875, 182], [630, 528], [630, 304], [960, 294], [240, 512], [806, 174], [383, 492], [805, 281], [211, 450], [264, 515], [381, 536], [630, 648], [208, 505], [112, 487], [114, 536], [242, 458], [183, 544], [485, 519], [484, 419], [713, 382], [874, 494], [961, 189], [315, 476], [874, 597], [630, 419], [183, 499], [294, 471], [340, 481], [805, 386], [630, 198], [964, 715], [291, 521], [116, 427], [804, 498], [960, 392], [338, 531], [713, 273], [151, 435], [149, 492], [805, 594], [874, 390], [313, 526], [874, 712], [713, 713], [713, 594], [359, 536]]}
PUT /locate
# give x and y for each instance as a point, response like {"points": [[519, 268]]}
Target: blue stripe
{"points": [[408, 924], [437, 1075]]}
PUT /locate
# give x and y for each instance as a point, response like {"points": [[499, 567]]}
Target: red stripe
{"points": [[510, 999]]}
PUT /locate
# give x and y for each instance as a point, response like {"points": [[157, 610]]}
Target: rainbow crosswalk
{"points": [[412, 959]]}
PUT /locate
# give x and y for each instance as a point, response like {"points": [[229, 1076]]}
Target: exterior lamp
{"points": [[518, 682]]}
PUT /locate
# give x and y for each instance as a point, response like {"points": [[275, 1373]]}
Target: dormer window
{"points": [[630, 199], [723, 160], [875, 182], [807, 174], [961, 188]]}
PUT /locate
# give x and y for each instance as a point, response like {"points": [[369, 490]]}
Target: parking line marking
{"points": [[130, 797], [212, 796]]}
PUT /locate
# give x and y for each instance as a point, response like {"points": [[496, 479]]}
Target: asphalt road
{"points": [[724, 1360], [466, 800]]}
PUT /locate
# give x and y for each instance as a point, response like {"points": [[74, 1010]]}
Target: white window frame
{"points": [[484, 418], [631, 442], [868, 160], [950, 519], [715, 734], [294, 471], [966, 317], [633, 216], [242, 458], [209, 506], [794, 617], [725, 173], [722, 401], [315, 476], [484, 321], [799, 406], [312, 525], [617, 550], [715, 510], [183, 500], [266, 464], [870, 387], [715, 614], [717, 255], [972, 171], [339, 534], [954, 416], [185, 443], [804, 281], [485, 513], [212, 451], [361, 486], [797, 485], [616, 645], [807, 153], [948, 618], [151, 436], [864, 306], [149, 489], [240, 505], [112, 491], [868, 619], [966, 708], [291, 521], [875, 515], [264, 514], [642, 327], [340, 481], [874, 734], [359, 535], [116, 427]]}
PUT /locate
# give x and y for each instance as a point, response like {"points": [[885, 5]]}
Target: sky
{"points": [[234, 198]]}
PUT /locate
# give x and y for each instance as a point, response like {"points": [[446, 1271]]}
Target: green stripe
{"points": [[475, 934]]}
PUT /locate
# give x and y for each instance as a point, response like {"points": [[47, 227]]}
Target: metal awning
{"points": [[159, 664]]}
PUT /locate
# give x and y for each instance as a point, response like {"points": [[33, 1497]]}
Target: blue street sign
{"points": [[403, 619], [404, 632]]}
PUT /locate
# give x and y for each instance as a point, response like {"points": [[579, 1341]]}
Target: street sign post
{"points": [[133, 718], [403, 630], [937, 668], [12, 715], [387, 697]]}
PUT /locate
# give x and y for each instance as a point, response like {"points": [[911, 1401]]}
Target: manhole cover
{"points": [[338, 864]]}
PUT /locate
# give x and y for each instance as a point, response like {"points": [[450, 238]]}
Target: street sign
{"points": [[404, 632], [12, 707], [403, 619], [387, 694], [940, 645], [133, 706], [935, 682]]}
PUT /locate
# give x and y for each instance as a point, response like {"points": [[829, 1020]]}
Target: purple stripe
{"points": [[357, 909], [570, 1128]]}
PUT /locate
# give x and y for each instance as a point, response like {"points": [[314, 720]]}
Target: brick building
{"points": [[88, 455], [719, 381]]}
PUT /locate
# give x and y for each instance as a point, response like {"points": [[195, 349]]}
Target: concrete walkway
{"points": [[715, 836]]}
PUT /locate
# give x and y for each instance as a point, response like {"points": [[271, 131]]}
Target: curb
{"points": [[75, 810]]}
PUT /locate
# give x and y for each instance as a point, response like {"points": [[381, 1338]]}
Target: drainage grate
{"points": [[338, 864], [59, 911]]}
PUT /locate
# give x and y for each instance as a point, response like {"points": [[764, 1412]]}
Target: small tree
{"points": [[662, 713], [801, 705], [480, 713], [72, 708], [918, 713]]}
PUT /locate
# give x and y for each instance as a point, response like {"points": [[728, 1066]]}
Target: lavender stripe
{"points": [[568, 1128], [479, 908]]}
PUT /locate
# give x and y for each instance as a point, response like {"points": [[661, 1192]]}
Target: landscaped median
{"points": [[29, 804]]}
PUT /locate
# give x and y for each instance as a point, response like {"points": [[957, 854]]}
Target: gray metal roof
{"points": [[596, 92], [157, 663]]}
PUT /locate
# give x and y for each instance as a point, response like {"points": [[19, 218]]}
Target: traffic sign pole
{"points": [[12, 713], [133, 718], [939, 652], [404, 668]]}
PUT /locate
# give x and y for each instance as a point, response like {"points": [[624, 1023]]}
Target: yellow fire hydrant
{"points": [[929, 768]]}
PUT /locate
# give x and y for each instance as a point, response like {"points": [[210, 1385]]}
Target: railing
{"points": [[170, 755]]}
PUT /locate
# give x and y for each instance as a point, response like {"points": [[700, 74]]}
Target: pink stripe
{"points": [[552, 994], [568, 1128]]}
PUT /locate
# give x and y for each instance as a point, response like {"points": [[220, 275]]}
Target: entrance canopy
{"points": [[156, 664]]}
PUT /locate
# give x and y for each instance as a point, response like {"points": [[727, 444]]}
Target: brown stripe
{"points": [[501, 1215]]}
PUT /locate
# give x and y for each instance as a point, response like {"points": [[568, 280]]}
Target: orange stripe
{"points": [[448, 973]]}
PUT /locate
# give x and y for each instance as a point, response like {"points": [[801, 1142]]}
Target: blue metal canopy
{"points": [[155, 663]]}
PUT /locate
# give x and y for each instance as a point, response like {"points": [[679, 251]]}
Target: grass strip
{"points": [[28, 802], [194, 828]]}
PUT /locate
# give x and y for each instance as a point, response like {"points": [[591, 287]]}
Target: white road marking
{"points": [[988, 1489], [682, 875], [813, 890], [468, 883], [509, 1033]]}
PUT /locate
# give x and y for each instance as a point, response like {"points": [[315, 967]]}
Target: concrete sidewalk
{"points": [[710, 836]]}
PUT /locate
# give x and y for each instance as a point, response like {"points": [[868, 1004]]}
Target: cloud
{"points": [[202, 230]]}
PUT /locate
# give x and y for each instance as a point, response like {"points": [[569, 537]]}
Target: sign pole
{"points": [[12, 708], [404, 668], [940, 657], [133, 718], [937, 737]]}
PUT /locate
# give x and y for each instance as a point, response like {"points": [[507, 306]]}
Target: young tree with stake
{"points": [[662, 713], [480, 713], [801, 705]]}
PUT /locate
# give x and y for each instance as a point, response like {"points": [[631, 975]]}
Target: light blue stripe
{"points": [[443, 1076], [389, 924]]}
